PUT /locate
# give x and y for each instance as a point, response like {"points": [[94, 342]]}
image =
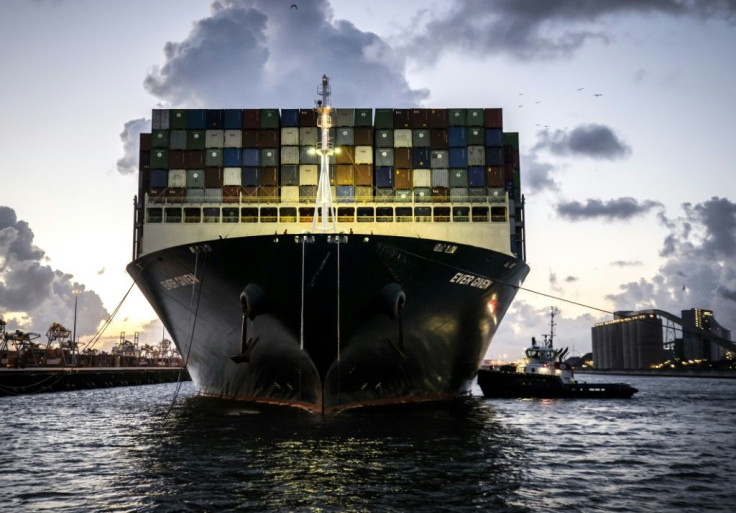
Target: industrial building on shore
{"points": [[643, 339]]}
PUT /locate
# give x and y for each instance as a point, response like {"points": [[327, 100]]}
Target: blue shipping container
{"points": [[494, 156], [289, 117], [232, 157], [477, 176], [458, 136], [233, 119], [494, 137], [458, 157], [420, 158], [160, 177], [251, 157], [384, 176], [345, 193], [250, 176], [215, 119], [196, 119]]}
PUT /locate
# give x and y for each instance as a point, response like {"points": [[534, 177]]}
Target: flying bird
{"points": [[580, 88], [598, 94], [293, 6]]}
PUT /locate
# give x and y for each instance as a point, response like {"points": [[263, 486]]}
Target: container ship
{"points": [[330, 258]]}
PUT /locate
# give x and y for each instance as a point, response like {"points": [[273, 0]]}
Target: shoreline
{"points": [[667, 373]]}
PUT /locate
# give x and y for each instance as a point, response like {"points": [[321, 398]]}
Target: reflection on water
{"points": [[670, 448]]}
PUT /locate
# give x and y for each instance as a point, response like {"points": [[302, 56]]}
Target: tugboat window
{"points": [[461, 214], [498, 214], [269, 215], [287, 214], [346, 215], [423, 214], [480, 214], [365, 215], [441, 214], [403, 215]]}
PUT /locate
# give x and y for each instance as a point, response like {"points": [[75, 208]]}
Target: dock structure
{"points": [[60, 379]]}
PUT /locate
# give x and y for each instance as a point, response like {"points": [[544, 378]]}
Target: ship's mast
{"points": [[325, 149]]}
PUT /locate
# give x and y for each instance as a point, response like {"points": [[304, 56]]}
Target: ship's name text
{"points": [[471, 281], [179, 281]]}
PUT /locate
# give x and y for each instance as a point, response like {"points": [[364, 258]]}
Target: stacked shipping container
{"points": [[263, 155]]}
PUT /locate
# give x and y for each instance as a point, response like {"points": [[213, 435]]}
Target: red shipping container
{"points": [[194, 159], [145, 142], [176, 159], [438, 118], [269, 193], [438, 139], [346, 155], [250, 138], [495, 176], [231, 194], [403, 179], [440, 194], [144, 160], [269, 138], [363, 136], [213, 177], [250, 194], [364, 174], [175, 194], [402, 118], [419, 118], [307, 117], [402, 158], [493, 118], [511, 155], [508, 172], [269, 175], [251, 118], [345, 174]]}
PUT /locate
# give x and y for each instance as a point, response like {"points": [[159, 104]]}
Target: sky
{"points": [[625, 113]]}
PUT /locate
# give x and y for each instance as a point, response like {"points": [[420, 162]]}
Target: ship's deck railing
{"points": [[493, 209]]}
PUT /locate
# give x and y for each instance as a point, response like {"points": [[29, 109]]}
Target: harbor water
{"points": [[672, 447]]}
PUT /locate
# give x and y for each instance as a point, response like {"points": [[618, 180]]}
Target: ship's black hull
{"points": [[501, 384], [330, 322]]}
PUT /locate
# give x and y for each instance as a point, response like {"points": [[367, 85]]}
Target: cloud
{"points": [[699, 269], [130, 136], [33, 295], [539, 176], [616, 209], [254, 53], [260, 53], [592, 140], [624, 263], [529, 29]]}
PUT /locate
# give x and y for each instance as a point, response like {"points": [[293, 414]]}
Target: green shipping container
{"points": [[195, 139], [363, 117], [270, 118], [474, 117], [456, 117], [213, 157], [384, 118], [476, 136], [160, 139], [511, 139], [159, 159], [178, 119]]}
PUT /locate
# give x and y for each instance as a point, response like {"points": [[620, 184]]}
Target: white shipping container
{"points": [[290, 136], [440, 177], [177, 177], [364, 154], [476, 156], [308, 174], [214, 138], [402, 138], [290, 155], [307, 136], [459, 195], [160, 119], [231, 176], [439, 159], [290, 194], [422, 178], [384, 157], [233, 138]]}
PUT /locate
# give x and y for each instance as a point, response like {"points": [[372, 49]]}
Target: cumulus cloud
{"points": [[591, 140], [252, 53], [699, 269], [530, 29], [612, 210], [261, 53], [130, 136], [32, 294], [539, 176]]}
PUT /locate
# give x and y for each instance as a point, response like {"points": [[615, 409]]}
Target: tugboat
{"points": [[543, 374]]}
